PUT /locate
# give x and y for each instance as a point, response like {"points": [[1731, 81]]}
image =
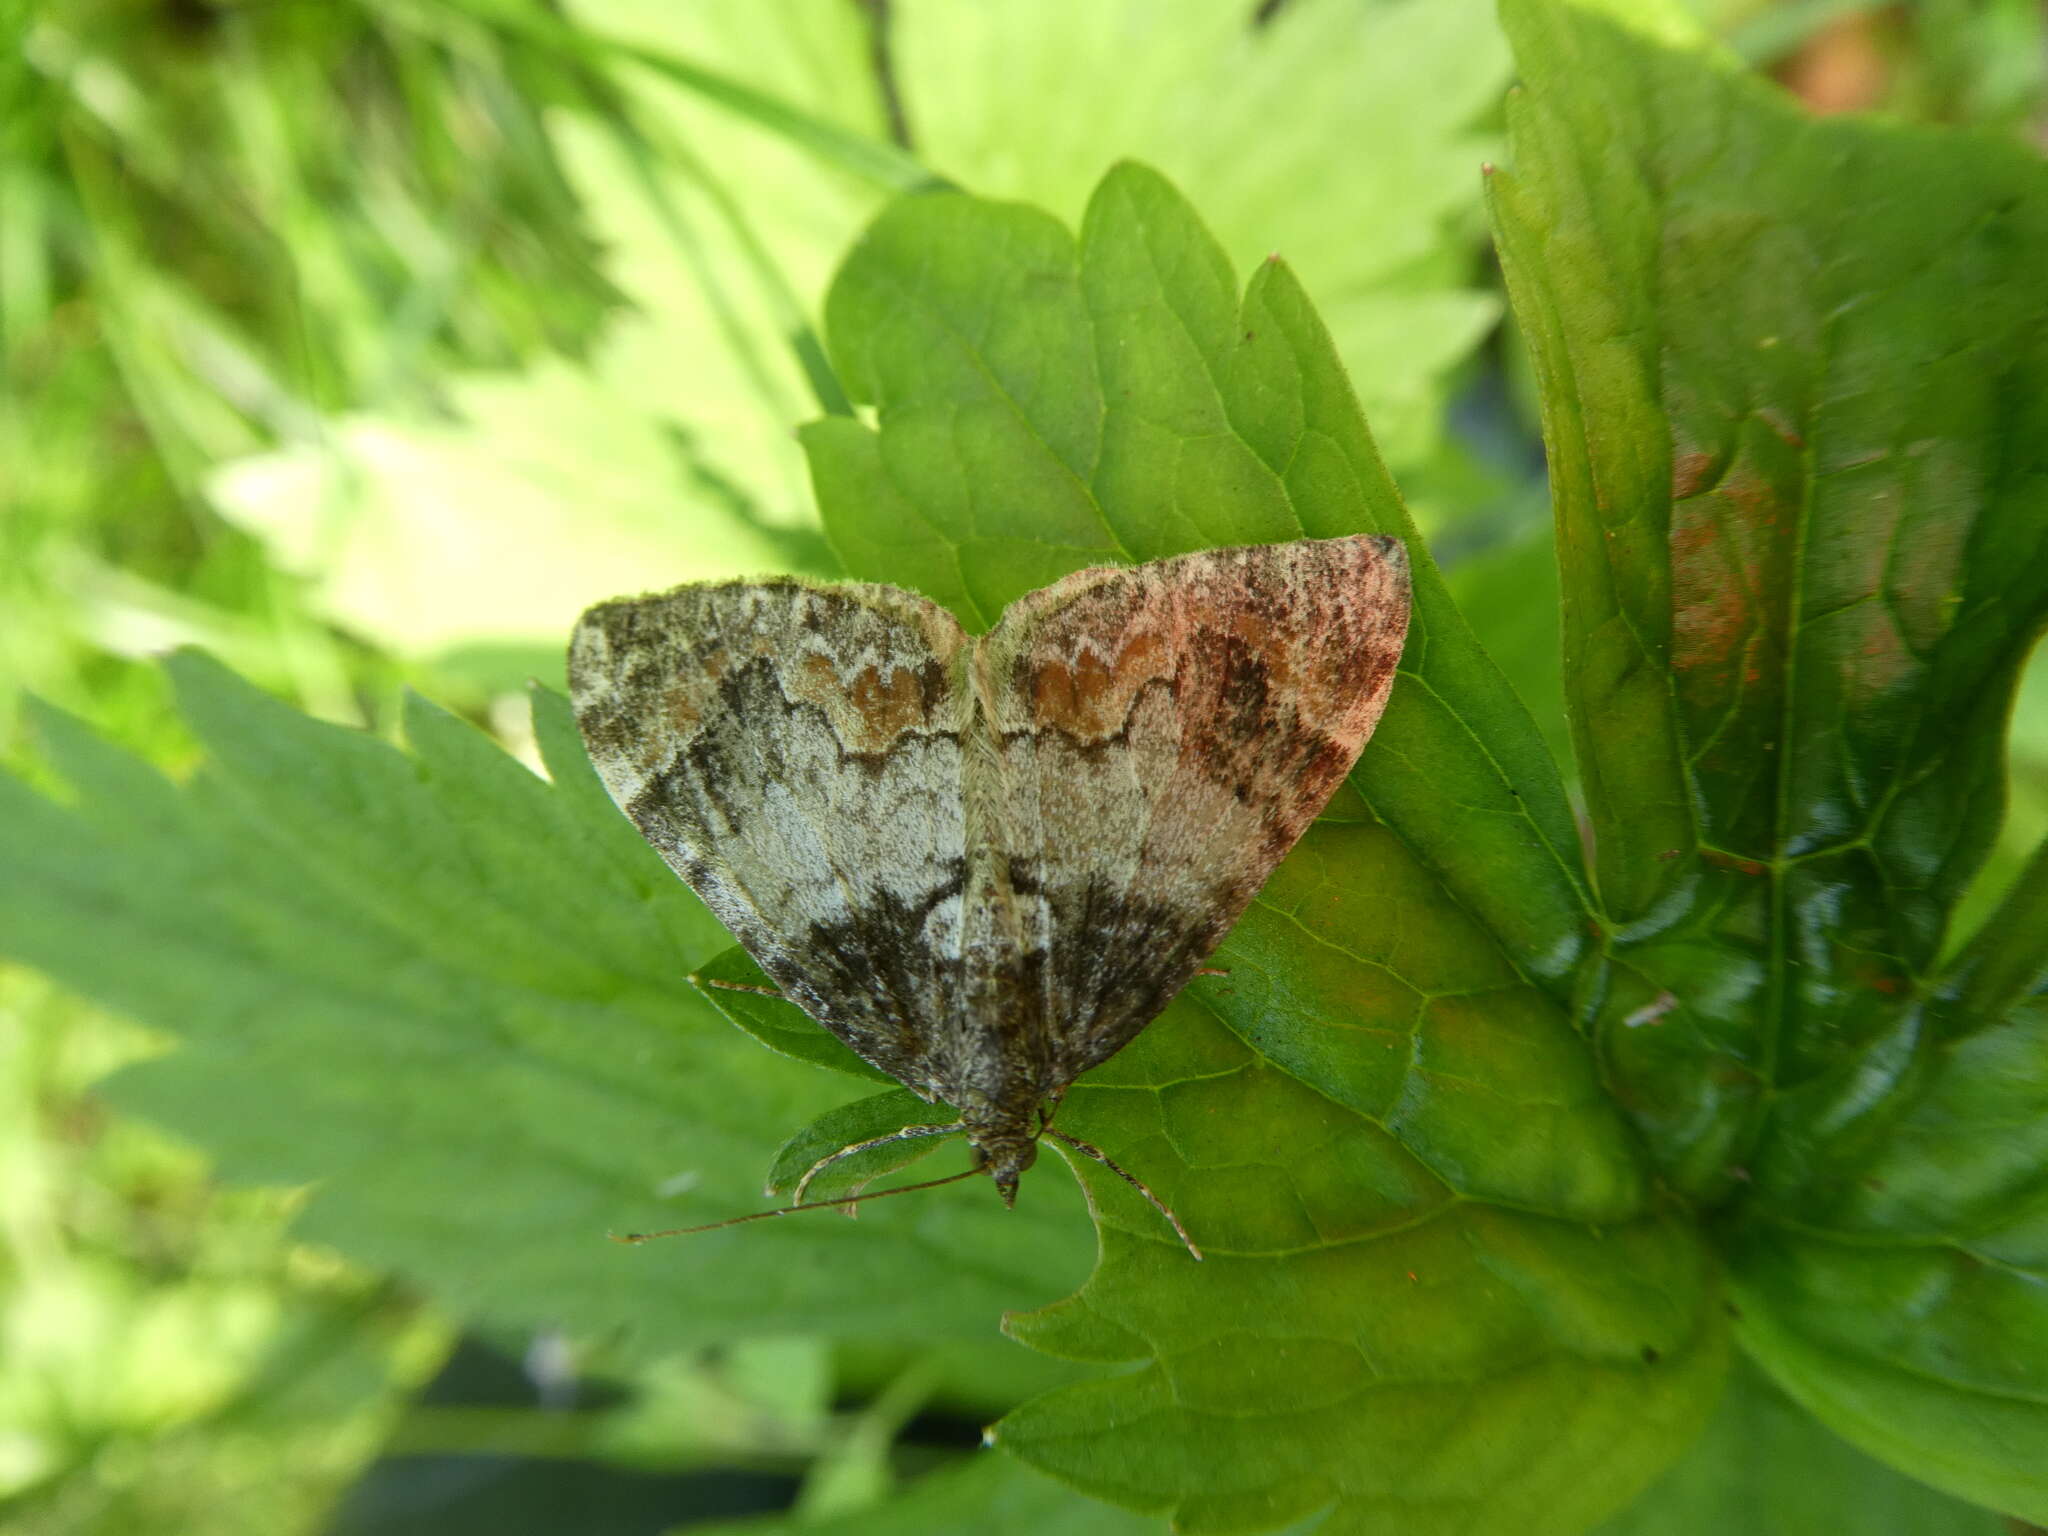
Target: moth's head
{"points": [[1004, 1159]]}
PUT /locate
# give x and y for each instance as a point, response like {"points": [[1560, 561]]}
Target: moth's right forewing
{"points": [[1167, 732], [793, 752]]}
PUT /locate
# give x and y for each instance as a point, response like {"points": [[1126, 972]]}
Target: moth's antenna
{"points": [[790, 1210], [1129, 1178]]}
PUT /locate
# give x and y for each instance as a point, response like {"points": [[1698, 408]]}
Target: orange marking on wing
{"points": [[1090, 696], [888, 707], [681, 708], [870, 712], [681, 700], [1275, 650], [1254, 631]]}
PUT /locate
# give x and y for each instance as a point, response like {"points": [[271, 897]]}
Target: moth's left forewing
{"points": [[793, 752], [1168, 732]]}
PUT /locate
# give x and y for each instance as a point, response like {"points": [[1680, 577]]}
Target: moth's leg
{"points": [[1131, 1179], [906, 1133], [735, 986], [1207, 970], [1054, 1100]]}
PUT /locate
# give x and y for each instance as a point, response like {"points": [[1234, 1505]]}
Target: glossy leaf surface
{"points": [[1795, 378]]}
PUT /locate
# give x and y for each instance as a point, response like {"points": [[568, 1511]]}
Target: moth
{"points": [[986, 863]]}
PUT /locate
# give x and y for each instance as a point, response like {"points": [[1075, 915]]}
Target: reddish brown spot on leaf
{"points": [[1880, 658], [1710, 609], [1691, 473]]}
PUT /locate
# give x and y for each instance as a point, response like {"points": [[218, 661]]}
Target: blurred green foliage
{"points": [[361, 342]]}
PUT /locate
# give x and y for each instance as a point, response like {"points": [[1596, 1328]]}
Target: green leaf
{"points": [[1803, 557], [1907, 1307], [1366, 1336], [838, 1129], [988, 1494], [1510, 595], [826, 140], [2026, 814], [724, 181], [1764, 1467], [666, 454], [1425, 1223], [454, 997], [1372, 106], [1802, 494], [1926, 1356]]}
